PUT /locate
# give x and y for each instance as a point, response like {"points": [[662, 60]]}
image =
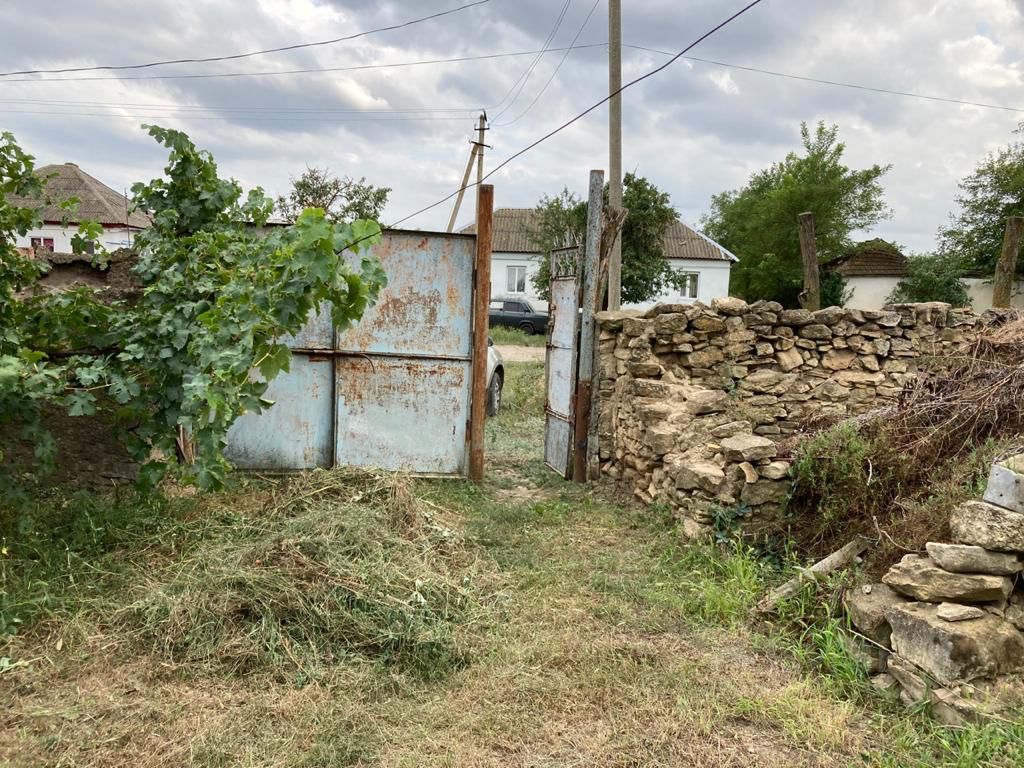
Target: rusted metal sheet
{"points": [[296, 432], [392, 392], [563, 325]]}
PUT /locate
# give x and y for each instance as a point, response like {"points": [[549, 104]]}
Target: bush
{"points": [[934, 277]]}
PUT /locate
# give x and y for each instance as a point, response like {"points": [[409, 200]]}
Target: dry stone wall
{"points": [[695, 399]]}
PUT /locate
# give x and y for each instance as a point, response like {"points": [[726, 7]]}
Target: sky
{"points": [[694, 129]]}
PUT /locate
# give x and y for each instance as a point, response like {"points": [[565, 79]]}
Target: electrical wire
{"points": [[555, 72], [234, 56], [271, 118], [585, 112], [525, 76], [836, 83], [308, 70]]}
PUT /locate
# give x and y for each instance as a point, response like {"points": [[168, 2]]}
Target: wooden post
{"points": [[810, 297], [591, 278], [1006, 267], [481, 299]]}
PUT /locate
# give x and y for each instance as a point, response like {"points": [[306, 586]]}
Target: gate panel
{"points": [[559, 409]]}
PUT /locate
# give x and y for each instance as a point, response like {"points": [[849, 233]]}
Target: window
{"points": [[515, 279], [690, 281], [513, 306], [42, 243]]}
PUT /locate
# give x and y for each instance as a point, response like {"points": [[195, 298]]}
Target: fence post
{"points": [[1006, 267], [810, 297], [481, 299], [591, 279]]}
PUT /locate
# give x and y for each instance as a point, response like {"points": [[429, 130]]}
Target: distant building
{"points": [[515, 260], [96, 202]]}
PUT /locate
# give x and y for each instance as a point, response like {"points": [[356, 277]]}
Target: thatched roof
{"points": [[96, 201], [513, 226]]}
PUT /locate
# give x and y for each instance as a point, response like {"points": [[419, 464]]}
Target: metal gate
{"points": [[562, 350], [394, 391]]}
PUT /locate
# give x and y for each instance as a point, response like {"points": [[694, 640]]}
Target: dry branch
{"points": [[838, 559]]}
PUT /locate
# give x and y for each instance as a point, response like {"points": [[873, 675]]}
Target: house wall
{"points": [[980, 291], [696, 403], [500, 262], [870, 292], [113, 237]]}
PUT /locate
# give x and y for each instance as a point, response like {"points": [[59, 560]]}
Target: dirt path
{"points": [[516, 354]]}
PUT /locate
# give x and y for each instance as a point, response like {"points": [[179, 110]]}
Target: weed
{"points": [[515, 337]]}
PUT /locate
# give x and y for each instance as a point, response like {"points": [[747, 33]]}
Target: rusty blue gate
{"points": [[561, 361], [394, 391]]}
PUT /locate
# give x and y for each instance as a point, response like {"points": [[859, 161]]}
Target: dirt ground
{"points": [[516, 354]]}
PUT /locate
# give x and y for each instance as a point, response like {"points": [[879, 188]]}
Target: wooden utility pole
{"points": [[481, 298], [476, 153], [810, 297], [615, 146], [1006, 267], [591, 279]]}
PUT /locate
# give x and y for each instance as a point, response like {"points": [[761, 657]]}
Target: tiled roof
{"points": [[870, 262], [512, 234], [97, 201]]}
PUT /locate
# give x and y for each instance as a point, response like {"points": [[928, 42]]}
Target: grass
{"points": [[515, 337], [277, 624]]}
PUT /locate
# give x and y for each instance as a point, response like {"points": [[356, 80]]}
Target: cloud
{"points": [[694, 129]]}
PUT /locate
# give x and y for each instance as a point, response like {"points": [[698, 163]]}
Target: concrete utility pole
{"points": [[481, 127], [615, 146], [476, 152], [1006, 267]]}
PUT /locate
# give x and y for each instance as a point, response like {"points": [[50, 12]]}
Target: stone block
{"points": [[866, 608], [708, 323], [670, 324], [694, 474], [644, 370], [966, 558], [789, 359], [706, 401], [988, 526], [795, 317], [748, 448], [764, 492], [816, 331], [920, 578], [957, 612], [1006, 484], [952, 652], [730, 428], [731, 306], [776, 470], [838, 359], [914, 688]]}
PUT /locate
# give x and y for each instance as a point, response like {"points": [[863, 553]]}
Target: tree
{"points": [[218, 298], [932, 277], [562, 220], [341, 199], [988, 197], [759, 221]]}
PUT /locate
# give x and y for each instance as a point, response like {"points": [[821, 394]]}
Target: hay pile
{"points": [[896, 473], [341, 565]]}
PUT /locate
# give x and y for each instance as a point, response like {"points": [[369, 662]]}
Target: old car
{"points": [[495, 378], [518, 313]]}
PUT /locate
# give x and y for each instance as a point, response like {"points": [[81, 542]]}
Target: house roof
{"points": [[513, 227], [96, 201], [872, 258]]}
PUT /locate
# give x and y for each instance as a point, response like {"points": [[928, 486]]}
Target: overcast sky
{"points": [[695, 129]]}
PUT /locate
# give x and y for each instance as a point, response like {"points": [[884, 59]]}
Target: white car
{"points": [[495, 378]]}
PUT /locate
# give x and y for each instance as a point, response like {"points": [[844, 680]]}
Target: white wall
{"points": [[499, 271], [869, 292], [712, 283], [113, 237], [980, 291]]}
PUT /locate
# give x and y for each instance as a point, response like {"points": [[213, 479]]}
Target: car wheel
{"points": [[494, 394], [526, 328]]}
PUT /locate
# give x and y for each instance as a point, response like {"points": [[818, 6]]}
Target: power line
{"points": [[836, 83], [523, 78], [308, 70], [555, 72], [304, 118], [234, 56], [216, 108], [586, 112]]}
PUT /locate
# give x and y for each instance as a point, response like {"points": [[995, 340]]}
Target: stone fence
{"points": [[695, 399]]}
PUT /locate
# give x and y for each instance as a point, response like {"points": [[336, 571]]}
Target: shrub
{"points": [[934, 277]]}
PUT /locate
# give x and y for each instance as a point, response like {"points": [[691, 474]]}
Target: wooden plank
{"points": [[810, 298], [481, 301], [1006, 267], [591, 279], [838, 559]]}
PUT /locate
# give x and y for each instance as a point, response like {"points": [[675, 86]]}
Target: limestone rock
{"points": [[914, 686], [957, 612], [749, 473], [920, 578], [1006, 484], [708, 323], [731, 306], [838, 359], [951, 652], [966, 558], [866, 607], [884, 682], [764, 492], [748, 448], [644, 369], [706, 401], [697, 474], [670, 324], [795, 317], [988, 526], [777, 470], [789, 359], [816, 331], [829, 315], [730, 429]]}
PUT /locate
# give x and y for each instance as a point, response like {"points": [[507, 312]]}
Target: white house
{"points": [[96, 202], [515, 260]]}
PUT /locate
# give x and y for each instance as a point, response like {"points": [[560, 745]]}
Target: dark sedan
{"points": [[518, 313]]}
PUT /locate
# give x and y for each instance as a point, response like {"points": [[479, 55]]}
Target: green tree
{"points": [[562, 221], [341, 199], [217, 299], [932, 277], [759, 221], [987, 198]]}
